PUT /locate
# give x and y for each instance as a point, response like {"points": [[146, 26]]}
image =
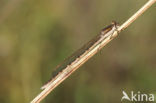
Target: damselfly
{"points": [[81, 56]]}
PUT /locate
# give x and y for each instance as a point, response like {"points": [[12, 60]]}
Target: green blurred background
{"points": [[37, 35]]}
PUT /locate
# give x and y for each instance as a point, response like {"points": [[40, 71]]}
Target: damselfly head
{"points": [[115, 23]]}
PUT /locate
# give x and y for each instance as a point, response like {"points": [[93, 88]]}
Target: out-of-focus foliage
{"points": [[36, 35]]}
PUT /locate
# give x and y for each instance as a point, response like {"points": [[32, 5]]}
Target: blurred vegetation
{"points": [[36, 35]]}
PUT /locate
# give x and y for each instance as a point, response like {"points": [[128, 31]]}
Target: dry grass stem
{"points": [[74, 66]]}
